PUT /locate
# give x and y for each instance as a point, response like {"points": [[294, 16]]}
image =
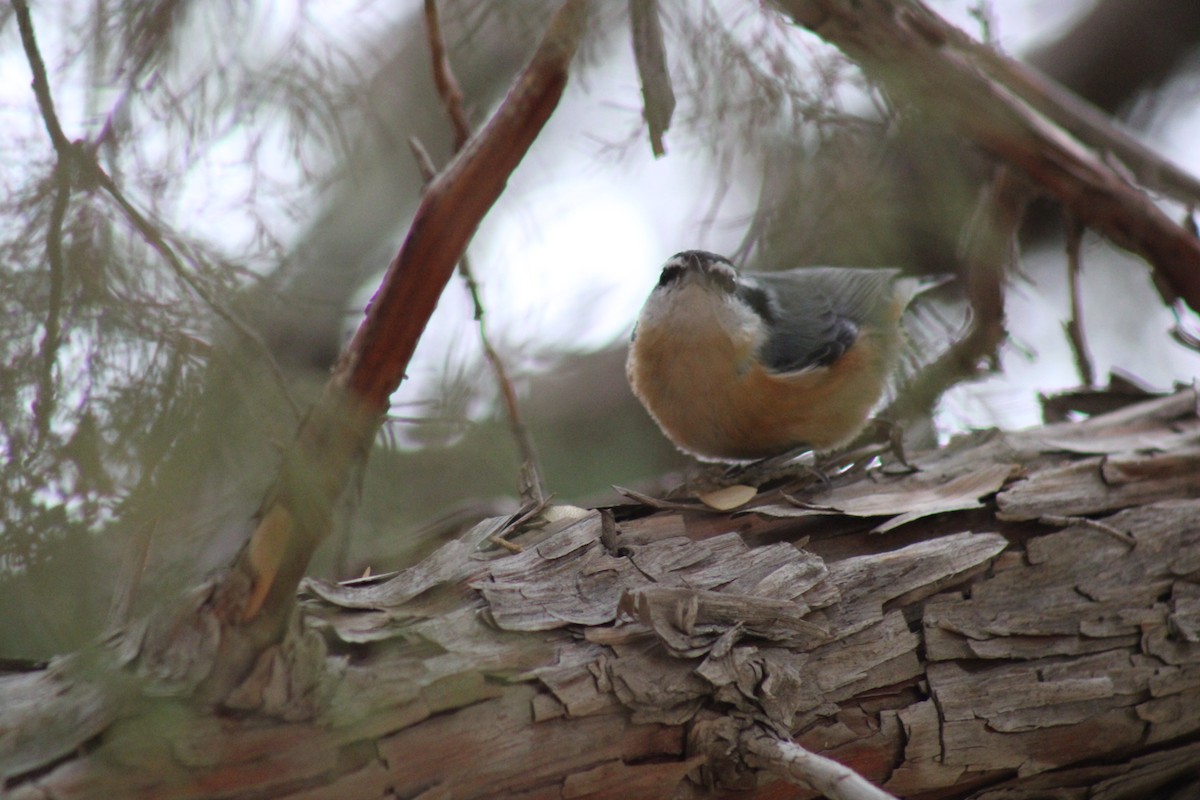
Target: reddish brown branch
{"points": [[337, 434], [1089, 124], [455, 202], [916, 56], [532, 484]]}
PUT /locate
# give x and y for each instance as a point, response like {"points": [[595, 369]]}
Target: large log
{"points": [[1020, 616]]}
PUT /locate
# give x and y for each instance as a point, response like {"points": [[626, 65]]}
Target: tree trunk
{"points": [[1020, 617]]}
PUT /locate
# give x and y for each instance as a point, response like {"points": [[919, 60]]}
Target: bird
{"points": [[739, 366]]}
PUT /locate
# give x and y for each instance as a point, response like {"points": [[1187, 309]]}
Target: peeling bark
{"points": [[969, 650]]}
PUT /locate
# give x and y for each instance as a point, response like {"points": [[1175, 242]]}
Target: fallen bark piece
{"points": [[916, 496]]}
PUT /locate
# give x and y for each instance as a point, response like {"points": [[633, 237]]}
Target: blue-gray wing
{"points": [[815, 314]]}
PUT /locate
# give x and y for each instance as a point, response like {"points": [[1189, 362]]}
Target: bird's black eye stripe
{"points": [[725, 278], [757, 299], [670, 274]]}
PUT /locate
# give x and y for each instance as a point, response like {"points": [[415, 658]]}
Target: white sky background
{"points": [[571, 250]]}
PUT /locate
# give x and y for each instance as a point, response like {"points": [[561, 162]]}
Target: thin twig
{"points": [[1058, 521], [797, 765], [532, 482], [149, 231], [533, 486], [41, 86], [443, 77], [80, 163], [51, 341], [44, 404], [1074, 326], [983, 13], [529, 511]]}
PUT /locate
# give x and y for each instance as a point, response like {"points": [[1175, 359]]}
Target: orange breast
{"points": [[712, 400]]}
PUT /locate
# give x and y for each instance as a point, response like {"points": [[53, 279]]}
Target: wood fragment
{"points": [[1097, 485], [655, 502], [450, 562]]}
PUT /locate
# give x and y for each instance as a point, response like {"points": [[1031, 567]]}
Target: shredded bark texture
{"points": [[977, 646]]}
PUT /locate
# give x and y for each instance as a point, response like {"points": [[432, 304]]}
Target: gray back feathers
{"points": [[815, 313]]}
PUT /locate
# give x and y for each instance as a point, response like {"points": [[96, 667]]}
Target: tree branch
{"points": [[374, 363], [917, 56], [256, 597], [532, 483], [621, 660], [1086, 122]]}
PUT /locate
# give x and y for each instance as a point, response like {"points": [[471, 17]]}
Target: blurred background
{"points": [[143, 404]]}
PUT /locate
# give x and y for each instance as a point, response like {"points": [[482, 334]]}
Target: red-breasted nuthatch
{"points": [[736, 367]]}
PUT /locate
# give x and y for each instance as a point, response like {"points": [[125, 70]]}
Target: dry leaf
{"points": [[556, 513], [729, 497]]}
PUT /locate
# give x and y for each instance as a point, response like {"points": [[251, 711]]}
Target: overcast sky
{"points": [[581, 232]]}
